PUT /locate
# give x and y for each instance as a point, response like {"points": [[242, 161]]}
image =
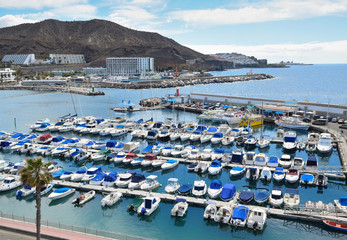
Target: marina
{"points": [[160, 223]]}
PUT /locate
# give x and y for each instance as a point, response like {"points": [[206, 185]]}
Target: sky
{"points": [[303, 31]]}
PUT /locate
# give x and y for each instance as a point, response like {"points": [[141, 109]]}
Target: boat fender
{"points": [[143, 210], [19, 193]]}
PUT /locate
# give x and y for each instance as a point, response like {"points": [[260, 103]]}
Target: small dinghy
{"points": [[335, 225], [84, 197], [172, 185], [25, 191], [246, 195], [228, 192], [110, 199], [215, 189], [321, 180], [223, 214], [45, 189], [237, 171], [266, 175], [135, 204], [257, 219], [210, 210], [150, 183], [279, 174], [201, 167], [185, 189], [66, 175], [180, 208], [261, 195], [298, 163], [60, 193], [291, 198], [252, 173], [149, 205], [239, 217]]}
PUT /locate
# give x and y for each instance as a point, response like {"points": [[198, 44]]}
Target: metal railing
{"points": [[73, 228]]}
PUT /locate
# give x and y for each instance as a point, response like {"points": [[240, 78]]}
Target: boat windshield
{"points": [[277, 197], [125, 178], [199, 188]]}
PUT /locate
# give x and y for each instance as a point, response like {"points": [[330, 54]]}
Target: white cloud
{"points": [[312, 52], [39, 4], [275, 10], [12, 20]]}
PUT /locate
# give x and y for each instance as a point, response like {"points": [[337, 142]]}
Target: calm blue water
{"points": [[28, 106]]}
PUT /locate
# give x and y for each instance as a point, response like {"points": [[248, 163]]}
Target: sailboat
{"points": [[263, 143]]}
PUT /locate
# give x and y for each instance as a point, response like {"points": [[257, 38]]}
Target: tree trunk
{"points": [[38, 212]]}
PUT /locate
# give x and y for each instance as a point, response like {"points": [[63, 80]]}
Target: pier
{"points": [[304, 213]]}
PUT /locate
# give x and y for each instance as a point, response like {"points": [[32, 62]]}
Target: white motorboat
{"points": [[210, 210], [59, 150], [150, 183], [119, 157], [313, 139], [292, 176], [66, 127], [206, 154], [289, 141], [91, 172], [291, 198], [257, 219], [298, 163], [118, 132], [172, 185], [129, 157], [136, 181], [180, 208], [176, 152], [263, 143], [186, 151], [235, 132], [215, 189], [84, 197], [341, 204], [136, 161], [169, 164], [260, 159], [248, 158], [266, 174], [131, 147], [321, 180], [25, 191], [307, 179], [311, 147], [240, 216], [217, 138], [293, 123], [60, 193], [185, 136], [3, 164], [98, 179], [218, 154], [201, 167], [158, 163], [215, 167], [149, 205], [252, 173], [166, 151], [324, 144], [10, 183], [148, 160], [123, 179], [111, 198], [227, 140], [205, 138], [195, 136], [152, 134], [194, 154], [279, 174], [276, 197], [285, 161], [78, 175], [199, 188], [66, 175], [237, 171], [110, 179], [223, 214], [250, 142], [175, 136]]}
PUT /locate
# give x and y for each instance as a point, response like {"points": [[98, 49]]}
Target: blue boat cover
{"points": [[343, 201], [171, 161], [185, 188], [238, 168], [278, 170], [61, 190], [306, 177], [216, 184], [218, 135], [196, 132], [120, 126], [168, 147], [5, 144], [219, 150], [58, 139], [99, 120], [261, 195], [32, 136], [290, 139], [311, 161], [111, 143], [98, 169], [273, 160], [111, 177], [236, 158], [81, 171], [228, 191], [292, 191], [138, 177], [246, 196], [148, 148], [67, 173], [120, 145], [58, 174], [240, 212], [16, 135], [180, 200], [201, 128], [67, 141], [89, 143], [215, 163], [212, 129], [99, 176], [139, 121], [59, 124], [138, 159], [164, 132]]}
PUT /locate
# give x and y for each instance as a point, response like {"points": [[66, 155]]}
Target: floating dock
{"points": [[304, 213]]}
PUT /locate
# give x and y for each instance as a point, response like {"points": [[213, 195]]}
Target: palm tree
{"points": [[36, 174]]}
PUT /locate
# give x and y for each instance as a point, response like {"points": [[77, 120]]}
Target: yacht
{"points": [[289, 141], [199, 188], [324, 144], [293, 123]]}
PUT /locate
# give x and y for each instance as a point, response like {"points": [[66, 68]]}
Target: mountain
{"points": [[97, 40]]}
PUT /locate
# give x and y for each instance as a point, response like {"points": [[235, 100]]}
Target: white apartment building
{"points": [[126, 66], [6, 74]]}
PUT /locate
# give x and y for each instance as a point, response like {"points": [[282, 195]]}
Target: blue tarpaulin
{"points": [[228, 192], [240, 212]]}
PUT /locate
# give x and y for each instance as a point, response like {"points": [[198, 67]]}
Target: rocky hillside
{"points": [[98, 39]]}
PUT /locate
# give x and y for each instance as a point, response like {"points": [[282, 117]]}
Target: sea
{"points": [[318, 83]]}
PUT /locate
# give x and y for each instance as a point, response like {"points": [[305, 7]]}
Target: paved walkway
{"points": [[13, 229]]}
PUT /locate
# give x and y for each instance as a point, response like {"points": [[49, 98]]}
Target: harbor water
{"points": [[18, 109]]}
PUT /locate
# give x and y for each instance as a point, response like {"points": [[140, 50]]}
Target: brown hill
{"points": [[97, 39]]}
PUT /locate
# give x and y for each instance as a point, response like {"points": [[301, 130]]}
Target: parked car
{"points": [[344, 126], [320, 122], [341, 121], [334, 120], [307, 120]]}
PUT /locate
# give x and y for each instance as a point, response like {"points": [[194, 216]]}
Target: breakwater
{"points": [[74, 90], [179, 82]]}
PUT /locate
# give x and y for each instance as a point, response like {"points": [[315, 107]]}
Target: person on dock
{"points": [[341, 133]]}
